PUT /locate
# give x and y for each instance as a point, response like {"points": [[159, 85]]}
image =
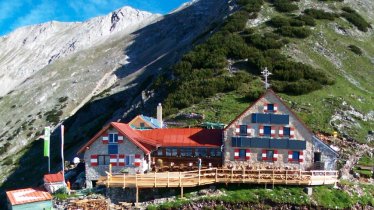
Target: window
{"points": [[215, 152], [270, 107], [103, 159], [160, 152], [112, 148], [171, 152], [286, 131], [267, 130], [269, 154], [186, 152], [130, 160], [113, 138], [142, 125], [243, 130], [242, 154], [295, 155], [201, 152]]}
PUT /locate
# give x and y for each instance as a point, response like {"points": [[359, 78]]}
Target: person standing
{"points": [[199, 163]]}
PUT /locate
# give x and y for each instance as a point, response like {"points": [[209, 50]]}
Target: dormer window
{"points": [[113, 138], [270, 107]]}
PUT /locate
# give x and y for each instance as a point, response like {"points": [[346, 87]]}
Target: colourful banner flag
{"points": [[47, 136]]}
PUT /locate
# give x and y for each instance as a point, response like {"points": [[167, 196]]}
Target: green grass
{"points": [[323, 196], [366, 160]]}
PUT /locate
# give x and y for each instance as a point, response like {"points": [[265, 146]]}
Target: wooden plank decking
{"points": [[219, 175]]}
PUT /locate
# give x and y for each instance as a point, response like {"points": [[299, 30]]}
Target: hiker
{"points": [[199, 163]]}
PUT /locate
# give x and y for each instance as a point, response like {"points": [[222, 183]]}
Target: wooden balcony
{"points": [[219, 175]]}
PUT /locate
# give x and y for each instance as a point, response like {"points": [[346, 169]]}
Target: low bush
{"points": [[357, 20], [295, 32], [355, 49], [285, 6], [237, 21], [320, 14], [308, 20]]}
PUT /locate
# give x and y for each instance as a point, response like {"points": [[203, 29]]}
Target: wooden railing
{"points": [[219, 175]]}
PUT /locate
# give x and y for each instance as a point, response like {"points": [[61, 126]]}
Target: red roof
{"points": [[27, 195], [53, 177], [143, 143], [185, 137]]}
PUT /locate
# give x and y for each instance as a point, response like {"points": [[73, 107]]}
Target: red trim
{"points": [[236, 157], [259, 130], [250, 131], [237, 128], [120, 141], [267, 108], [121, 160], [272, 131], [114, 163], [137, 156], [264, 152], [93, 157], [247, 151], [301, 159], [290, 152], [292, 130], [275, 153], [275, 108]]}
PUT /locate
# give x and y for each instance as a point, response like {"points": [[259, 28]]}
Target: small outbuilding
{"points": [[53, 182], [29, 198]]}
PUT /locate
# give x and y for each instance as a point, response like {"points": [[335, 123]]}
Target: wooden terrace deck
{"points": [[219, 175]]}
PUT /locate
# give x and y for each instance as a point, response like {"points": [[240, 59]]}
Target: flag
{"points": [[47, 136]]}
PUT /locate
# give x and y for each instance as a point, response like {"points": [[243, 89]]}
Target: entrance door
{"points": [[317, 157]]}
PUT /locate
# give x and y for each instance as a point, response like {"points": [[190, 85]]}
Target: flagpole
{"points": [[62, 152], [47, 146]]}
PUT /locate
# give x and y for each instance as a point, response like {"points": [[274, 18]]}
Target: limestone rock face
{"points": [[48, 72]]}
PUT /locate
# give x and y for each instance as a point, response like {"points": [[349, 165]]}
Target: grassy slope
{"points": [[315, 108]]}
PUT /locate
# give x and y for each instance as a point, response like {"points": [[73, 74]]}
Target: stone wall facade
{"points": [[301, 133], [98, 148]]}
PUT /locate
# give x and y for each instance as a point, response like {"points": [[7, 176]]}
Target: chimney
{"points": [[159, 114]]}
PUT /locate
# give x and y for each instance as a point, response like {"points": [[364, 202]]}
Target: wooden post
{"points": [[181, 192], [168, 178], [286, 176], [136, 180], [155, 179], [107, 180], [180, 178], [258, 178], [232, 174], [124, 180], [273, 179], [137, 196], [216, 174], [243, 174], [199, 175], [299, 176]]}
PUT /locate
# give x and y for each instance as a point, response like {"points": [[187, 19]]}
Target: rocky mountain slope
{"points": [[86, 74]]}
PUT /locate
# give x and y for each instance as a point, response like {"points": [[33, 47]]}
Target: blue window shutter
{"points": [[127, 160], [295, 155], [267, 130], [113, 149], [286, 131], [270, 107], [116, 138], [254, 118], [243, 130], [233, 141]]}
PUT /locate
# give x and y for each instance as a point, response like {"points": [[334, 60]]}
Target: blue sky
{"points": [[17, 13]]}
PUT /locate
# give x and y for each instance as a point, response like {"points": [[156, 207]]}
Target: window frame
{"points": [[268, 156], [267, 126], [113, 138], [129, 160], [241, 152], [106, 160], [243, 130], [199, 152], [293, 155], [288, 131], [186, 152]]}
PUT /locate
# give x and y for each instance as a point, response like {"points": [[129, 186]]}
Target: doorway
{"points": [[317, 157]]}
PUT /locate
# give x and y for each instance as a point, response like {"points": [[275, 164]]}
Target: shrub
{"points": [[295, 32], [308, 20], [253, 6], [237, 21], [355, 49], [285, 6], [320, 14], [357, 20]]}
